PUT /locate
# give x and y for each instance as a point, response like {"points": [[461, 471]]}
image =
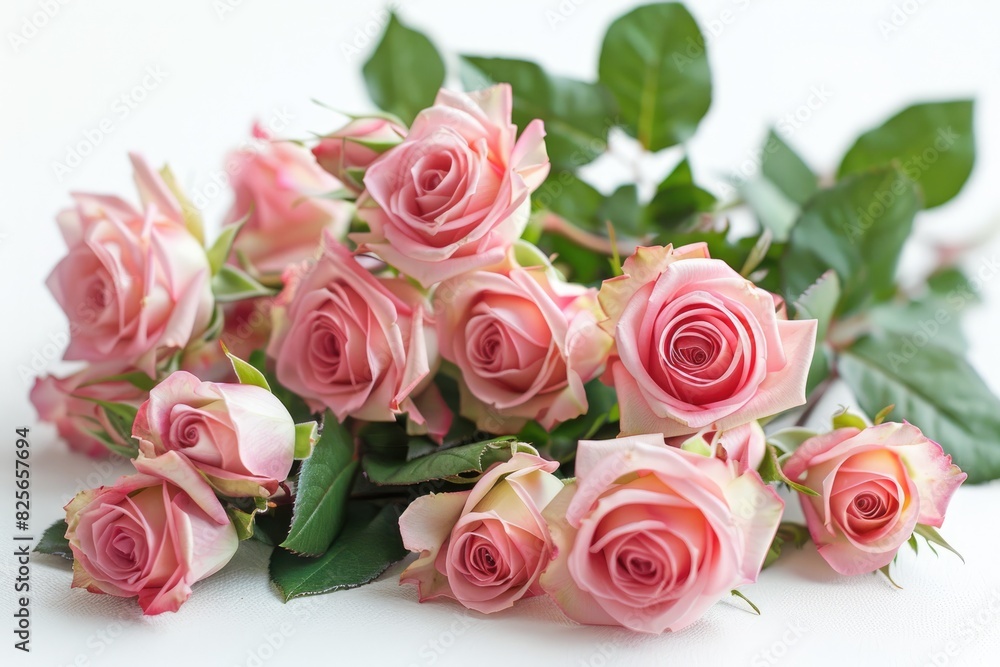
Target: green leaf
{"points": [[232, 284], [191, 214], [223, 246], [789, 173], [369, 544], [242, 521], [462, 465], [857, 228], [885, 571], [120, 416], [323, 489], [54, 542], [770, 471], [405, 72], [577, 114], [773, 209], [847, 419], [787, 440], [932, 388], [294, 403], [678, 199], [931, 315], [952, 284], [602, 404], [743, 597], [246, 373], [933, 537], [933, 143], [137, 379], [306, 435], [622, 209], [654, 62]]}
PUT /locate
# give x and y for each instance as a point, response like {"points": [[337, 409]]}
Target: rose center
{"points": [[869, 505], [186, 431], [484, 559]]}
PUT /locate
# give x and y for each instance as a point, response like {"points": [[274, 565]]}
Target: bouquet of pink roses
{"points": [[429, 334]]}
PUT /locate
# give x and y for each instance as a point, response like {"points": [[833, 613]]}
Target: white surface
{"points": [[263, 59]]}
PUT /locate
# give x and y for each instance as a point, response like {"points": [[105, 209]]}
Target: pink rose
{"points": [[135, 284], [279, 186], [81, 423], [362, 346], [349, 151], [743, 445], [484, 547], [649, 537], [150, 535], [525, 342], [699, 346], [239, 436], [454, 195], [875, 486]]}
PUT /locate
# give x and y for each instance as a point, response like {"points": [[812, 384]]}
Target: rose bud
{"points": [[150, 535], [135, 284], [649, 537], [524, 340], [454, 195], [279, 189], [743, 445], [348, 152], [698, 346], [359, 344], [484, 547], [239, 436], [875, 485], [69, 404]]}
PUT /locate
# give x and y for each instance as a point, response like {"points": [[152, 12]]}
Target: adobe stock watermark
{"points": [[899, 16], [778, 649], [985, 620], [31, 25], [220, 179], [121, 107], [433, 649], [790, 123], [955, 301], [223, 8], [366, 34]]}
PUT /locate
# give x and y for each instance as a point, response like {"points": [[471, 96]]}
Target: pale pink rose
{"points": [[150, 535], [699, 346], [347, 152], [344, 339], [744, 445], [279, 188], [875, 486], [649, 537], [239, 436], [135, 284], [485, 547], [524, 340], [81, 423], [454, 195]]}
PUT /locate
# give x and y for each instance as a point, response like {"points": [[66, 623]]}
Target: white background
{"points": [[222, 69]]}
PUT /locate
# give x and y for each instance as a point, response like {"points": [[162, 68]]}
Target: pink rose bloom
{"points": [[485, 547], [135, 284], [362, 346], [349, 151], [239, 436], [454, 195], [743, 445], [279, 186], [699, 346], [525, 342], [649, 537], [150, 535], [81, 423], [875, 486]]}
